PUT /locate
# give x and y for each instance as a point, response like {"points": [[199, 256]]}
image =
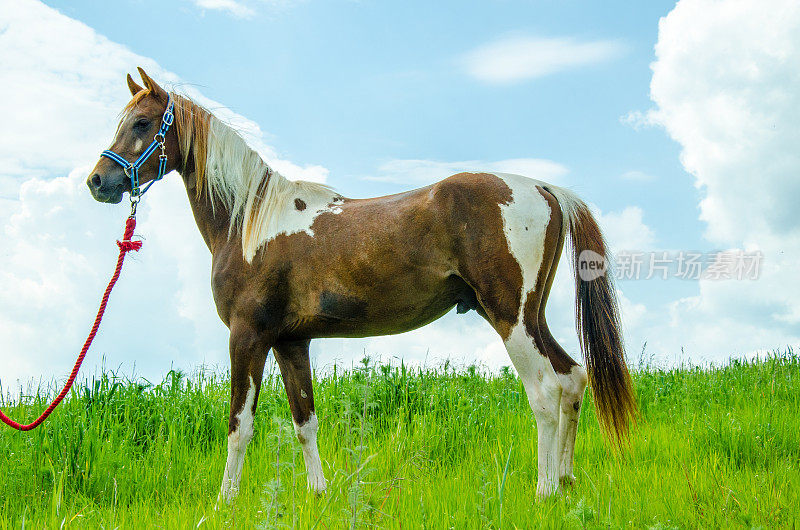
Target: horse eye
{"points": [[141, 124]]}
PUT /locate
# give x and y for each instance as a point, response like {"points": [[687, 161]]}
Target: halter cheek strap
{"points": [[132, 168]]}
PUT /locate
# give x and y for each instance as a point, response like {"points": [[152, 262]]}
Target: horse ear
{"points": [[134, 88], [154, 88]]}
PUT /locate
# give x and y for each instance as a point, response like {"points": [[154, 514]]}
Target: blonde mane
{"points": [[236, 177]]}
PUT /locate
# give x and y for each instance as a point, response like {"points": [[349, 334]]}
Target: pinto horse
{"points": [[294, 261]]}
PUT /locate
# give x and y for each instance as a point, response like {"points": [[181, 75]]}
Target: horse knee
{"points": [[307, 431], [544, 400], [574, 385], [241, 435], [580, 377]]}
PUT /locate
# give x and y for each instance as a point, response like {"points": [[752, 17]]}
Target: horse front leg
{"points": [[295, 366], [248, 350]]}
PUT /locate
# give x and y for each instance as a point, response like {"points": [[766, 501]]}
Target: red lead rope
{"points": [[125, 246]]}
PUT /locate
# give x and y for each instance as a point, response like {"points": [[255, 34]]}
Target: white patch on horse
{"points": [[307, 435], [285, 218], [238, 440], [137, 147], [525, 221], [234, 177]]}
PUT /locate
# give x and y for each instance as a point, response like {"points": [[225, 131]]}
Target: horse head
{"points": [[127, 164]]}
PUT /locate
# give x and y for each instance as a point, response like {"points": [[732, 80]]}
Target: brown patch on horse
{"points": [[472, 202], [299, 204], [269, 311], [405, 273], [393, 280]]}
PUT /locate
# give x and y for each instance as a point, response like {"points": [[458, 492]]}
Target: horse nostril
{"points": [[96, 180]]}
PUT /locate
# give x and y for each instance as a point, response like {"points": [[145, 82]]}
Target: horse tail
{"points": [[597, 319]]}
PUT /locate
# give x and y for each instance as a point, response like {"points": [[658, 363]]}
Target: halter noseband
{"points": [[132, 168]]}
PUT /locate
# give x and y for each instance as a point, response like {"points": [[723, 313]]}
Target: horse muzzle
{"points": [[106, 189]]}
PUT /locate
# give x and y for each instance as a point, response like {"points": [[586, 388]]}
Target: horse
{"points": [[294, 261]]}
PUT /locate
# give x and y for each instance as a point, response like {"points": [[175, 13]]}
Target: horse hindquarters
{"points": [[507, 263], [598, 325]]}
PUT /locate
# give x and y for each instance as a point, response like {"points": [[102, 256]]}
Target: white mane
{"points": [[257, 197]]}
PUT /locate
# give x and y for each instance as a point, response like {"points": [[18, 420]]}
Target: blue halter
{"points": [[132, 168]]}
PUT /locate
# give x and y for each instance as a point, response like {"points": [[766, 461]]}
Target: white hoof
{"points": [[544, 490], [225, 497], [317, 483]]}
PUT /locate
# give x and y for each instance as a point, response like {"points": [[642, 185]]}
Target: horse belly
{"points": [[385, 312]]}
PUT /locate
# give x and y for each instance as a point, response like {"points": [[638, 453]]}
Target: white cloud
{"points": [[61, 88], [429, 171], [637, 176], [638, 120], [243, 8], [626, 230], [725, 87], [233, 7], [520, 58]]}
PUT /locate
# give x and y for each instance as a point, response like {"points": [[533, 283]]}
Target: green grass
{"points": [[435, 448]]}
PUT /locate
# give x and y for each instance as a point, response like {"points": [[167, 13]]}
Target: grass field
{"points": [[437, 448]]}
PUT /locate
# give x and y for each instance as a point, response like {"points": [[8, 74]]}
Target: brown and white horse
{"points": [[294, 261]]}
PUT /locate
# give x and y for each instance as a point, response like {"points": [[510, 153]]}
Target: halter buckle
{"points": [[134, 203]]}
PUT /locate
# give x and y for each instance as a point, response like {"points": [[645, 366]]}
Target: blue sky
{"points": [[654, 112], [350, 85]]}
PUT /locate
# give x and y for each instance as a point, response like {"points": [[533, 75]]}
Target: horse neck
{"points": [[213, 220]]}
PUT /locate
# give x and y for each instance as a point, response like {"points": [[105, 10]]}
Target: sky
{"points": [[677, 123]]}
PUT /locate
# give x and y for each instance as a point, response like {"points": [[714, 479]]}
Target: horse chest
{"points": [[258, 296]]}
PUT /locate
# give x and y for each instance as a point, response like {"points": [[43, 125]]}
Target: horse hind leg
{"points": [[571, 375], [573, 379], [534, 369], [511, 304], [295, 366], [544, 395]]}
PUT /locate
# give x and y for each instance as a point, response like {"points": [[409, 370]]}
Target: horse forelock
{"points": [[140, 95]]}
